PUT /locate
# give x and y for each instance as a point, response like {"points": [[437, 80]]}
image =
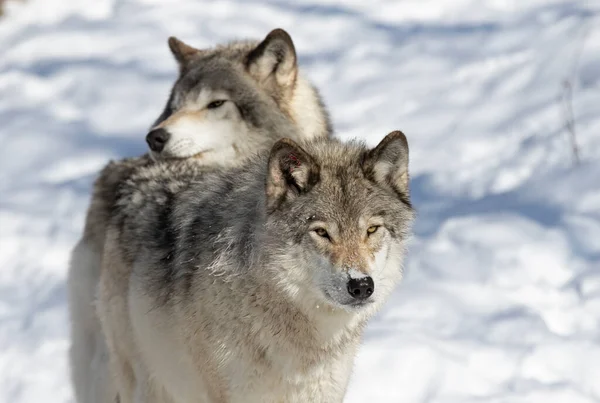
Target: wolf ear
{"points": [[274, 59], [183, 53], [292, 171], [387, 164]]}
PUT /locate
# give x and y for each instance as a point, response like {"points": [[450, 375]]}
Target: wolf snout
{"points": [[157, 139], [361, 288]]}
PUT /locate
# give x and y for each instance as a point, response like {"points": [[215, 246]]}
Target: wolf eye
{"points": [[372, 229], [215, 104], [322, 233]]}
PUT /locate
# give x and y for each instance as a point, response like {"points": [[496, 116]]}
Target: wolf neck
{"points": [[308, 110], [305, 329]]}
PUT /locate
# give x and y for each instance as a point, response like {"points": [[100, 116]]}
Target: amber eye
{"points": [[215, 104], [372, 229], [322, 233]]}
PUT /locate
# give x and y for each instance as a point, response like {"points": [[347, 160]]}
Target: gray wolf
{"points": [[254, 283], [228, 103], [212, 111]]}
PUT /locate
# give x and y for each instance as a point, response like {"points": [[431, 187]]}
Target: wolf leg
{"points": [[88, 353], [114, 317]]}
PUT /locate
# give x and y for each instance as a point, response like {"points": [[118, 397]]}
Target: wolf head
{"points": [[340, 216], [232, 100]]}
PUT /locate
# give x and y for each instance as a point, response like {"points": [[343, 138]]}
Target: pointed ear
{"points": [[274, 59], [291, 172], [183, 53], [387, 164]]}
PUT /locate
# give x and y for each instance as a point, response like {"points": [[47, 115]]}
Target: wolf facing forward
{"points": [[253, 284], [228, 103]]}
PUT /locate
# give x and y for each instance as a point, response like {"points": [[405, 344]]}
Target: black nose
{"points": [[361, 288], [157, 139]]}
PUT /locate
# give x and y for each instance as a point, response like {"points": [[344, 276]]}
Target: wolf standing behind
{"points": [[228, 103], [254, 284]]}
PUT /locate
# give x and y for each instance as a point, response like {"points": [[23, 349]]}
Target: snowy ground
{"points": [[501, 302]]}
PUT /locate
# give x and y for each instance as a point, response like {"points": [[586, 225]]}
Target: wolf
{"points": [[253, 283], [227, 103], [217, 124]]}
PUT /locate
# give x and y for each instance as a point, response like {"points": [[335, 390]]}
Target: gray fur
{"points": [[229, 264]]}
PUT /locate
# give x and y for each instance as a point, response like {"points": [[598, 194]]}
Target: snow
{"points": [[501, 298]]}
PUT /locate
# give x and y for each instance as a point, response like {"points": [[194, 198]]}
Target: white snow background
{"points": [[501, 299]]}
